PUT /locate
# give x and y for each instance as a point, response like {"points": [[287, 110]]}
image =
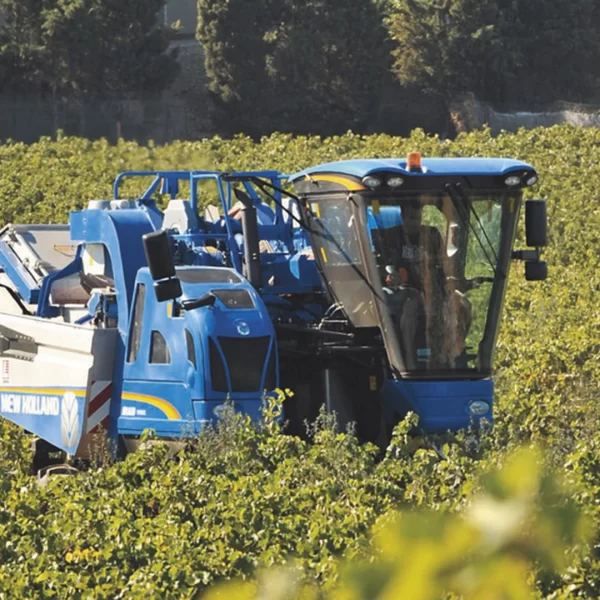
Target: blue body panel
{"points": [[121, 233], [441, 405]]}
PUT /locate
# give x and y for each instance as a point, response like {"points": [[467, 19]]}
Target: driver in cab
{"points": [[418, 253], [433, 316]]}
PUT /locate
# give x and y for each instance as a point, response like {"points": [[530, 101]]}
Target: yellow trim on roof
{"points": [[347, 182]]}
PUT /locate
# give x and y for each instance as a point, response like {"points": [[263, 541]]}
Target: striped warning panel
{"points": [[99, 406]]}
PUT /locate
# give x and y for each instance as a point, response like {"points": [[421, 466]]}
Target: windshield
{"points": [[437, 257]]}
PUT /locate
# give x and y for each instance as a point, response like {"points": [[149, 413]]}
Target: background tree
{"points": [[232, 35], [21, 52], [503, 50], [301, 67], [84, 47]]}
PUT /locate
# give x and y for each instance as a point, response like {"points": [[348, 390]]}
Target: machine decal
{"points": [[55, 413], [34, 401], [30, 404], [99, 406], [69, 419], [170, 411]]}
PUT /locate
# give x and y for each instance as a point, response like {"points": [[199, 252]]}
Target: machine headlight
{"points": [[531, 180], [395, 182], [512, 181], [220, 410], [478, 408], [371, 182]]}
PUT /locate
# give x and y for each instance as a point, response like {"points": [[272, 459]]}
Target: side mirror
{"points": [[158, 255], [536, 223], [168, 289], [162, 268], [536, 270]]}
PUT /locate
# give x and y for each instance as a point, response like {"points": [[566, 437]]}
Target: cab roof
{"points": [[430, 166]]}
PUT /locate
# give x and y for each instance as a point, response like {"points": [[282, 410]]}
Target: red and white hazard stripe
{"points": [[99, 406]]}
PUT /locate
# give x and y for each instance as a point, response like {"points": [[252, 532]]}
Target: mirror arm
{"points": [[526, 254], [206, 300]]}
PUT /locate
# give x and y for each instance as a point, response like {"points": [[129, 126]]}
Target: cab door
{"points": [[156, 375]]}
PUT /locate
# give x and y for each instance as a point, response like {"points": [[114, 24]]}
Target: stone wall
{"points": [[468, 113]]}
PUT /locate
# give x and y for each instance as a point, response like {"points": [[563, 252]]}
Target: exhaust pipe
{"points": [[252, 267]]}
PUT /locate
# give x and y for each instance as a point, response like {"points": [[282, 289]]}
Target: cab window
{"points": [[191, 350], [159, 351], [135, 333]]}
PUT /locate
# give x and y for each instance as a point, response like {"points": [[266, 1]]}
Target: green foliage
{"points": [[238, 498], [299, 67], [521, 516], [241, 498], [502, 50], [84, 47]]}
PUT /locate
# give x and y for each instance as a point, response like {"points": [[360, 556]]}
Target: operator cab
{"points": [[419, 251]]}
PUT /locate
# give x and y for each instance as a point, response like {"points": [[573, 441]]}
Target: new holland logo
{"points": [[69, 419]]}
